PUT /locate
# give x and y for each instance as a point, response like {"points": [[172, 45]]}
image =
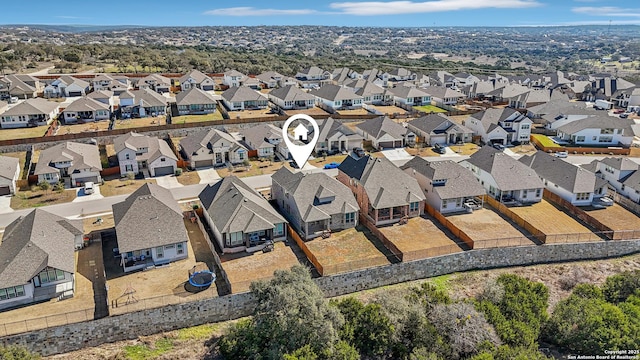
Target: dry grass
{"points": [[389, 110], [314, 111], [242, 268], [31, 199], [23, 133], [184, 119], [257, 168], [90, 224], [249, 114], [486, 224], [421, 237], [354, 112], [552, 221], [122, 186], [188, 178], [616, 218], [82, 128], [143, 122], [320, 162]]}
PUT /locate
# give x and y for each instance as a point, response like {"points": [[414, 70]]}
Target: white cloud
{"points": [[69, 17], [251, 11], [606, 11], [412, 7]]}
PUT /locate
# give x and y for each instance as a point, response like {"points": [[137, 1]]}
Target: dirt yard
{"points": [[250, 114], [421, 237], [189, 177], [389, 110], [485, 224], [122, 186], [354, 112], [242, 268], [82, 128], [143, 122], [311, 112], [348, 250], [30, 199], [616, 217]]}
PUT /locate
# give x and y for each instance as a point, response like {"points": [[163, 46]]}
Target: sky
{"points": [[436, 13]]}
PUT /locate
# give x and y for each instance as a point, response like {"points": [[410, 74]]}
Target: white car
{"points": [[88, 188], [561, 154]]}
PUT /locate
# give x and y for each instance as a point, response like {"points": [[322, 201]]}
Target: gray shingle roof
{"points": [[35, 106], [291, 93], [335, 92], [101, 94], [194, 96], [86, 104], [256, 136], [444, 92], [430, 122], [405, 92], [148, 98], [234, 206], [331, 127], [206, 138], [242, 94], [620, 163], [35, 241], [306, 189], [156, 147], [82, 156], [8, 167], [196, 75], [368, 89], [460, 182], [598, 122], [148, 218], [567, 176], [509, 173], [382, 125]]}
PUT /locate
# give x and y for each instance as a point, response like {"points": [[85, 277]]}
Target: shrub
{"points": [[618, 288], [178, 172], [365, 327], [17, 353]]}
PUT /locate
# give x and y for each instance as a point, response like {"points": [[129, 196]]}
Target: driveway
{"points": [[81, 196], [5, 204], [168, 181], [449, 152], [397, 154], [208, 175]]}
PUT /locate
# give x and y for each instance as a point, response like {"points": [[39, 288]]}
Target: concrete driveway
{"points": [[449, 152], [208, 175], [81, 196], [168, 181], [5, 204], [396, 154]]}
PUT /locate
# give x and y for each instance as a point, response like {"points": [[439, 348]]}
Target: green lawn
{"points": [[23, 133], [544, 140], [429, 109], [216, 116]]}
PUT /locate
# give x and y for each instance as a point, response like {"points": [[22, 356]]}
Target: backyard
{"points": [[429, 109], [250, 114], [618, 219], [185, 119], [488, 229], [23, 133], [137, 123], [83, 128], [389, 110]]}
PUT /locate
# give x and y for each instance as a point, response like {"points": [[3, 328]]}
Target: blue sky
{"points": [[321, 12]]}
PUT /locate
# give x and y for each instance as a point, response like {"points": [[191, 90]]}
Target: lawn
{"points": [[23, 133], [122, 186], [184, 119], [136, 123], [32, 199], [429, 109], [257, 168], [83, 128], [320, 162], [188, 178]]}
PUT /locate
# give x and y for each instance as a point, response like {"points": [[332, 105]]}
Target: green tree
{"points": [[303, 353], [17, 353], [44, 186], [365, 327], [618, 288]]}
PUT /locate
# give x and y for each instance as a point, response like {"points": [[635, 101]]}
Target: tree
{"points": [[618, 288], [17, 353], [59, 187], [291, 313], [44, 186], [365, 327]]}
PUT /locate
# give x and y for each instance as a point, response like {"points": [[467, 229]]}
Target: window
{"points": [[538, 192], [127, 156], [605, 139], [525, 127], [580, 139], [414, 206], [278, 230], [582, 196], [12, 292], [163, 159], [606, 131], [180, 249], [167, 247], [349, 218], [51, 275], [160, 252], [608, 169]]}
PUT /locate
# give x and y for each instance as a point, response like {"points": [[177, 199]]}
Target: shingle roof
{"points": [[149, 98], [306, 189], [444, 92], [382, 125], [567, 176], [430, 122], [101, 94], [598, 122], [86, 104], [269, 76], [233, 73], [148, 218], [196, 75], [35, 241], [256, 136], [460, 182], [335, 92], [82, 156], [194, 96], [291, 93], [618, 163], [206, 138], [234, 206], [405, 92], [386, 185], [369, 89], [35, 106], [8, 167], [156, 147], [509, 173], [242, 94], [312, 71], [493, 116], [331, 127]]}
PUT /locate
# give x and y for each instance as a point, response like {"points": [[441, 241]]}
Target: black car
{"points": [[439, 149]]}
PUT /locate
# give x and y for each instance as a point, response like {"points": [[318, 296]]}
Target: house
{"points": [[439, 129], [633, 103], [37, 260], [373, 94], [622, 174], [103, 96], [313, 77], [597, 131], [85, 109], [446, 185], [79, 162], [480, 89], [385, 133], [313, 203], [233, 78], [605, 87], [410, 96], [243, 98], [502, 126], [67, 86], [444, 96], [115, 83], [195, 101], [384, 193], [505, 178], [9, 174], [142, 103], [271, 79], [239, 217], [196, 79], [139, 153], [399, 74], [212, 148], [155, 82], [30, 113], [264, 141], [344, 74], [572, 183], [20, 86], [291, 97], [335, 137], [530, 99], [336, 97], [149, 229], [558, 112]]}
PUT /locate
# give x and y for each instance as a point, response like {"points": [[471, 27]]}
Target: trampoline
{"points": [[201, 278]]}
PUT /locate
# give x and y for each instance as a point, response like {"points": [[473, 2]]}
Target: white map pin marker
{"points": [[300, 153]]}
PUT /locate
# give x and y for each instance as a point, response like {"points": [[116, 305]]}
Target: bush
{"points": [[17, 353], [59, 187], [365, 327], [178, 172], [618, 288]]}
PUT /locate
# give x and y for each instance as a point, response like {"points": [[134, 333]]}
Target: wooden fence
{"points": [[457, 232], [581, 214], [292, 233], [216, 258], [110, 171], [625, 202], [503, 209], [385, 241]]}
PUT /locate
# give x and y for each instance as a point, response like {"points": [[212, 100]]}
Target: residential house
{"points": [[76, 161], [334, 98], [623, 174], [597, 131], [9, 174], [446, 185], [37, 261], [195, 101], [502, 126], [530, 99], [605, 87], [67, 86], [314, 203], [480, 89], [239, 217], [139, 153], [384, 193], [149, 229], [439, 129], [385, 133], [444, 96], [196, 79], [115, 83], [558, 112], [142, 103], [29, 113], [505, 178], [212, 148], [633, 103], [335, 137], [373, 94], [271, 79], [233, 78], [376, 76], [252, 83], [85, 109], [243, 98], [20, 86], [410, 96], [399, 74], [507, 92], [264, 141], [155, 82], [572, 183], [291, 97], [313, 77], [342, 75], [103, 96]]}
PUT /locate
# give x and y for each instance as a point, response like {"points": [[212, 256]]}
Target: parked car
{"points": [[624, 115], [498, 146], [332, 165], [89, 188], [358, 151], [439, 149], [561, 154], [618, 111]]}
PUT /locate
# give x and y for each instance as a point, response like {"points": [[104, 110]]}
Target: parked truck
{"points": [[603, 105]]}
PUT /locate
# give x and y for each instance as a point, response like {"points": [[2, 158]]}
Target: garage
{"points": [[81, 181], [208, 88], [203, 163], [164, 170], [5, 190], [438, 139], [75, 93]]}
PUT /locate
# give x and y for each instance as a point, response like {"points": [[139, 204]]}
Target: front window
{"points": [[414, 206], [180, 249], [538, 192], [278, 230], [12, 292], [349, 218], [160, 252]]}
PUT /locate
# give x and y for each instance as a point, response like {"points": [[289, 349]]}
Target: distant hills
{"points": [[74, 28]]}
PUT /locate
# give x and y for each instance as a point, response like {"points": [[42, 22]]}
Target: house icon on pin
{"points": [[301, 132]]}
